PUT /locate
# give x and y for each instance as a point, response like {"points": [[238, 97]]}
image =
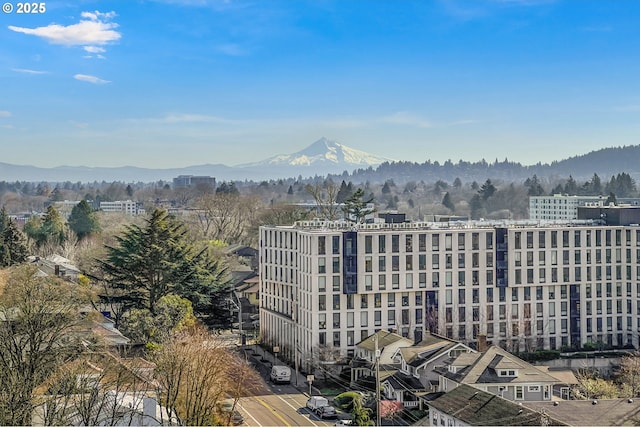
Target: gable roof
{"points": [[385, 339], [485, 367], [476, 407], [401, 381]]}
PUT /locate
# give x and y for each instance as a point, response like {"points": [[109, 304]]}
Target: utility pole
{"points": [[377, 356], [239, 317], [295, 340]]}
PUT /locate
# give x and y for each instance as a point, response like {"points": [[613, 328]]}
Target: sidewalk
{"points": [[298, 380]]}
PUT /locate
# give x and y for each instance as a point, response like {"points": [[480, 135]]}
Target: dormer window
{"points": [[507, 373]]}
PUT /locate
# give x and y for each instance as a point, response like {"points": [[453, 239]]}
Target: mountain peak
{"points": [[325, 153]]}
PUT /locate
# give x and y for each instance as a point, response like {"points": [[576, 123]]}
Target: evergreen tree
{"points": [[535, 188], [457, 183], [129, 191], [487, 190], [344, 192], [571, 187], [13, 247], [48, 229], [56, 195], [83, 220], [448, 203], [155, 260], [355, 208], [52, 229], [476, 206], [595, 185]]}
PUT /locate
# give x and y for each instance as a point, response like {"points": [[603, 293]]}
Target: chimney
{"points": [[482, 343]]}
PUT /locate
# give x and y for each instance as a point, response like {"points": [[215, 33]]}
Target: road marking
{"points": [[249, 414], [263, 403], [296, 409]]}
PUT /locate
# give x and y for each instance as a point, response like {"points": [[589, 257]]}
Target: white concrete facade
{"points": [[560, 207], [127, 206], [527, 285]]}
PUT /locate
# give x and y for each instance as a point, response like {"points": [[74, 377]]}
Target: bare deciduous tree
{"points": [[629, 373], [325, 196], [190, 370], [37, 315], [226, 217]]}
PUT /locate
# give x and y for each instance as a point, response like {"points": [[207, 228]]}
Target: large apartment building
{"points": [[563, 207], [524, 285]]}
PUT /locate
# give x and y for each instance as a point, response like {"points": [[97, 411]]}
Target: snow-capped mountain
{"points": [[323, 153], [320, 158]]}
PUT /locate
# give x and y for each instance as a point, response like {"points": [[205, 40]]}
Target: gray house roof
{"points": [[478, 408], [482, 368], [609, 412]]}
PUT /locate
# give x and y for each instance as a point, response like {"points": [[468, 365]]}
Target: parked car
{"points": [[345, 422], [326, 412], [237, 418], [316, 402]]}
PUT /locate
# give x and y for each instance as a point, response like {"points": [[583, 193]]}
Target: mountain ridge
{"points": [[329, 158]]}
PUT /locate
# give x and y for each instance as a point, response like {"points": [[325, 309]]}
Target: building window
{"points": [[322, 265], [519, 392]]}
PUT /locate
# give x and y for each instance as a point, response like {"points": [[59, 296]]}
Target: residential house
{"points": [[386, 343], [56, 265], [417, 374], [468, 406], [498, 372], [107, 390]]}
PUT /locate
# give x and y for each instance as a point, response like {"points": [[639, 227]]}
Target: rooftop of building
{"points": [[476, 407], [485, 367], [322, 226], [602, 412]]}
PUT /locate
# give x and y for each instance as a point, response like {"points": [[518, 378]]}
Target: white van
{"points": [[281, 374]]}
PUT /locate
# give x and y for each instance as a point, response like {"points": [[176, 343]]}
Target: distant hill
{"points": [[605, 162], [325, 157]]}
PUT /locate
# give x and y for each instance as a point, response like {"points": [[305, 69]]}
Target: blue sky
{"points": [[171, 83]]}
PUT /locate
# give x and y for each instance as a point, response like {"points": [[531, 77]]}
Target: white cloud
{"points": [[98, 16], [94, 49], [91, 32], [90, 79], [5, 113], [7, 127], [27, 71], [405, 118]]}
